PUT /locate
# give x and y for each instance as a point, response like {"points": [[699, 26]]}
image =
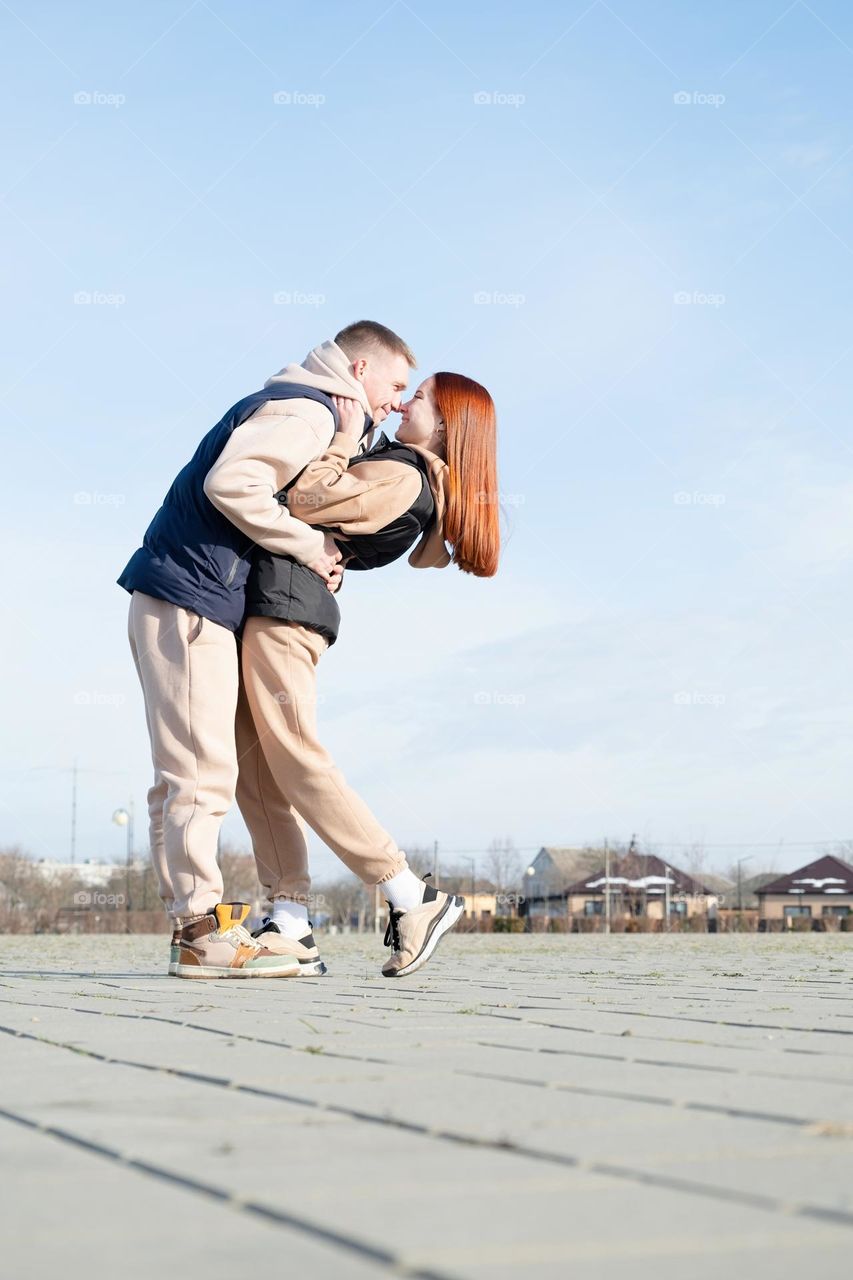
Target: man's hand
{"points": [[337, 578], [326, 565], [351, 417]]}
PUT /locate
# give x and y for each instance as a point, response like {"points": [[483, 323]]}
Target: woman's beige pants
{"points": [[286, 775]]}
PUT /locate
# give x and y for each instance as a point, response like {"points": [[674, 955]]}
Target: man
{"points": [[188, 584]]}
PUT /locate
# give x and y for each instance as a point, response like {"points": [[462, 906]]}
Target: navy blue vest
{"points": [[192, 555]]}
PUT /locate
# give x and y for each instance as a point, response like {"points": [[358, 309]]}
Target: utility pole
{"points": [[75, 772], [746, 858], [473, 862], [528, 922], [73, 812], [124, 818], [129, 857], [435, 862], [606, 887], [666, 894], [633, 895]]}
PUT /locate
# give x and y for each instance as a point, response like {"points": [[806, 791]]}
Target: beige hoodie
{"points": [[270, 448], [368, 495]]}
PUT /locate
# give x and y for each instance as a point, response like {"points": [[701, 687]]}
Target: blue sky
{"points": [[630, 221]]}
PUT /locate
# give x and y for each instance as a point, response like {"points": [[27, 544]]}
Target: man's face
{"points": [[384, 376]]}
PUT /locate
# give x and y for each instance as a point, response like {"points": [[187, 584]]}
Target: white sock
{"points": [[404, 890], [291, 917]]}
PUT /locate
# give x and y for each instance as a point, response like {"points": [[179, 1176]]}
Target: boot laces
{"points": [[241, 933], [392, 933]]}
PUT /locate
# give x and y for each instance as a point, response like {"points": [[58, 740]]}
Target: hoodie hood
{"points": [[327, 368], [431, 551]]}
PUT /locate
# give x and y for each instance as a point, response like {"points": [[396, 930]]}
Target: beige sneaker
{"points": [[415, 934], [305, 949], [218, 946]]}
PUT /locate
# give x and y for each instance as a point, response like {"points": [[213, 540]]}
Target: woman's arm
{"points": [[361, 498]]}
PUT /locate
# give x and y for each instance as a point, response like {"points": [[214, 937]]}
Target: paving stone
{"points": [[630, 1104]]}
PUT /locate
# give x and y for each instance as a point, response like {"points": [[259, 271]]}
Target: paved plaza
{"points": [[525, 1105]]}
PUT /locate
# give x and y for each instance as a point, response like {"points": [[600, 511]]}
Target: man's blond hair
{"points": [[366, 337]]}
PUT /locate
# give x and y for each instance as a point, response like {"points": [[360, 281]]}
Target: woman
{"points": [[437, 484], [371, 503]]}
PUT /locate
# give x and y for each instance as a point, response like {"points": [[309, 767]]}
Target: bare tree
{"points": [[751, 870], [421, 858], [22, 889], [34, 895], [694, 860], [19, 879], [135, 887], [459, 877], [503, 864], [239, 875], [342, 900]]}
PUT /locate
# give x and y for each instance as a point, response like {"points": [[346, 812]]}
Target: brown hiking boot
{"points": [[415, 934], [304, 949], [218, 946]]}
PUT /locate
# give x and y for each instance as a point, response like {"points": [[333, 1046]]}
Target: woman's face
{"points": [[422, 422]]}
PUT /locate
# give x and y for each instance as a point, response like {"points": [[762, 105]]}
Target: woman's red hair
{"points": [[471, 523]]}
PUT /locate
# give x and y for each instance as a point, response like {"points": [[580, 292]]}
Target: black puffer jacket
{"points": [[280, 587]]}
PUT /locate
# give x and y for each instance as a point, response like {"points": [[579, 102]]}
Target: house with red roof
{"points": [[820, 888], [639, 884]]}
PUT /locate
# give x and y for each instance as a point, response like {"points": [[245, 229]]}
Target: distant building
{"points": [[93, 874], [744, 896], [820, 888], [549, 875], [640, 885], [720, 885], [481, 901]]}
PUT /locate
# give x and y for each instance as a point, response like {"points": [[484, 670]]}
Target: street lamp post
{"points": [[124, 818], [473, 862], [528, 923], [746, 858]]}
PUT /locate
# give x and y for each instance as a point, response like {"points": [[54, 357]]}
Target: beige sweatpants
{"points": [[189, 673], [285, 773]]}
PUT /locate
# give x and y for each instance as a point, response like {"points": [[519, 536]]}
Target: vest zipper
{"points": [[232, 572]]}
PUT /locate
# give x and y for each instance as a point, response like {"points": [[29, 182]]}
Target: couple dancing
{"points": [[234, 601]]}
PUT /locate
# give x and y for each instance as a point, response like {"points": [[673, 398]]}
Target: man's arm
{"points": [[262, 456]]}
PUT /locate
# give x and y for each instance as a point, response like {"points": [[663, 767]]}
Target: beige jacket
{"points": [[270, 448], [366, 496]]}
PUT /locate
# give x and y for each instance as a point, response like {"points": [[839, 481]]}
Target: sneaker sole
{"points": [[208, 971], [307, 968], [452, 911]]}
